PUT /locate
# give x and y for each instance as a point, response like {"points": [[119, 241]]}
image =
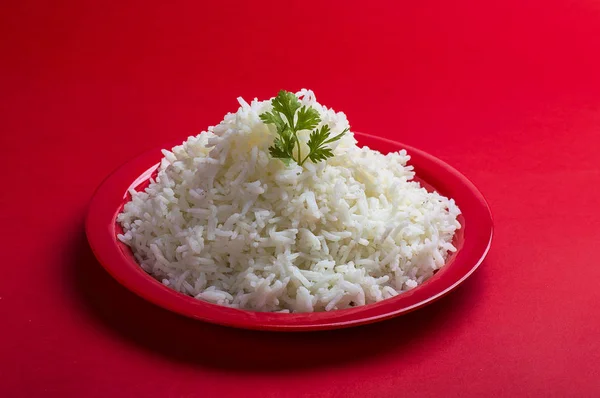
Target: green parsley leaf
{"points": [[318, 137], [308, 118], [279, 151], [337, 137], [317, 141], [287, 104], [273, 118]]}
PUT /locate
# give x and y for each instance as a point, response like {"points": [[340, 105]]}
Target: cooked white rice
{"points": [[226, 223]]}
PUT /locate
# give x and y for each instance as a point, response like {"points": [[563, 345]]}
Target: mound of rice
{"points": [[226, 223]]}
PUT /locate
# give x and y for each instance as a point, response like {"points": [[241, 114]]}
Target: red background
{"points": [[508, 93]]}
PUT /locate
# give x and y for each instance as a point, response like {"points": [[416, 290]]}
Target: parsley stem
{"points": [[299, 150], [304, 160]]}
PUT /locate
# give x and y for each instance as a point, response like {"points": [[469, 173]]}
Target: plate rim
{"points": [[105, 246]]}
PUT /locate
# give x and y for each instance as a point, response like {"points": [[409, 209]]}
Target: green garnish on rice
{"points": [[290, 117]]}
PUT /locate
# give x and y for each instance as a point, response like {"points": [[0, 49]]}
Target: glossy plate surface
{"points": [[472, 241]]}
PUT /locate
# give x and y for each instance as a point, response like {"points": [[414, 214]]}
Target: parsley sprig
{"points": [[290, 117]]}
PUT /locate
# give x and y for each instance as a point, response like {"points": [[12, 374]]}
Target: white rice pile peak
{"points": [[226, 223]]}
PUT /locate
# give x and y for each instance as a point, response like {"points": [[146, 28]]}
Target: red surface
{"points": [[507, 92], [472, 242]]}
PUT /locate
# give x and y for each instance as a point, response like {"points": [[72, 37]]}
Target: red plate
{"points": [[472, 241]]}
